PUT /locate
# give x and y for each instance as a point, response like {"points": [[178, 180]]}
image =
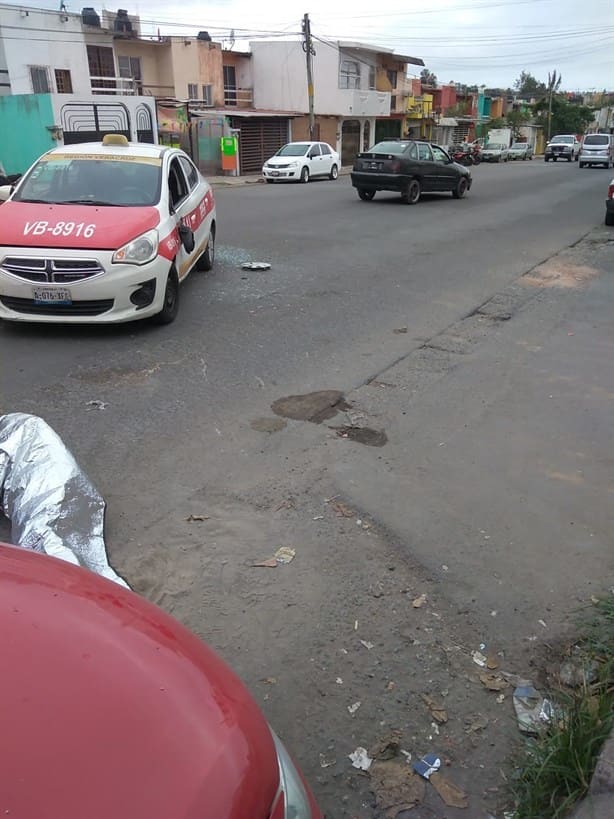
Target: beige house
{"points": [[187, 68]]}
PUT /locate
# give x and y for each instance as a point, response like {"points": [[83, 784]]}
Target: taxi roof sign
{"points": [[115, 139]]}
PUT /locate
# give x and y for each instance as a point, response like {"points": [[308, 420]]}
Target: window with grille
{"points": [[349, 74], [192, 91], [208, 95], [40, 79], [101, 63], [63, 81]]}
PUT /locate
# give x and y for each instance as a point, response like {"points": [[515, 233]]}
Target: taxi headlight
{"points": [[141, 250]]}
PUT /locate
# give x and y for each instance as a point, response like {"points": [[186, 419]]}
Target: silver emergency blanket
{"points": [[50, 501]]}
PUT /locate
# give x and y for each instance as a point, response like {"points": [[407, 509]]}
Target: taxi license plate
{"points": [[51, 295]]}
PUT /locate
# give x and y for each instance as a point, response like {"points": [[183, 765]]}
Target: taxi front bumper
{"points": [[78, 287]]}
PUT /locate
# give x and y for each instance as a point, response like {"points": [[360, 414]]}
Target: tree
{"points": [[516, 119], [496, 123], [565, 117], [527, 85], [427, 77]]}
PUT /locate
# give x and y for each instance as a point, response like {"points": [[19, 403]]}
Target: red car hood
{"points": [[28, 224], [110, 708]]}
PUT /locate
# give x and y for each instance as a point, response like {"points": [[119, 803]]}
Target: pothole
{"points": [[313, 406], [363, 435]]}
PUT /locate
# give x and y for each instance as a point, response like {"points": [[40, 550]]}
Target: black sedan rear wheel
{"points": [[365, 194], [412, 192], [461, 188]]}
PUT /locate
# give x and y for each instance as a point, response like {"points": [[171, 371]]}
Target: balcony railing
{"points": [[238, 97], [125, 86]]}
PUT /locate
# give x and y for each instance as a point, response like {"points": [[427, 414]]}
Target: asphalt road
{"points": [[344, 273], [175, 436]]}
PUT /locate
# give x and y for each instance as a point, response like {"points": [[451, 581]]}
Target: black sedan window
{"points": [[424, 152], [439, 154]]}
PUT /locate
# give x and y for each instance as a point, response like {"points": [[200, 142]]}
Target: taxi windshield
{"points": [[61, 180]]}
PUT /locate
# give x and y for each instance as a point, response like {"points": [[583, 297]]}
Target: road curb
{"points": [[252, 179]]}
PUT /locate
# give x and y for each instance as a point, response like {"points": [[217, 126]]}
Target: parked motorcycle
{"points": [[462, 154]]}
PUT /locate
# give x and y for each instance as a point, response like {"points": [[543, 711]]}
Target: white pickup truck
{"points": [[563, 146]]}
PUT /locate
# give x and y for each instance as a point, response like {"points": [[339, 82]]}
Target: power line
{"points": [[455, 41], [446, 10]]}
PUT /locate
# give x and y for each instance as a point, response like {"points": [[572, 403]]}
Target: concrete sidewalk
{"points": [[253, 179]]}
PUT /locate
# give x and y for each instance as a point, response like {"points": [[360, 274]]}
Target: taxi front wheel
{"points": [[171, 300]]}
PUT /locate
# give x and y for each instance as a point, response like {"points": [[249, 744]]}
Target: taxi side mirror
{"points": [[5, 192], [187, 238]]}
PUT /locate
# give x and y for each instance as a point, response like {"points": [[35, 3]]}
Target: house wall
{"points": [[23, 130], [210, 70], [280, 82], [448, 97], [329, 129], [35, 37], [484, 106], [166, 72], [185, 64], [279, 76], [496, 110]]}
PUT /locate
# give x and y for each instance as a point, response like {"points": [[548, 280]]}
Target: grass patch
{"points": [[556, 767]]}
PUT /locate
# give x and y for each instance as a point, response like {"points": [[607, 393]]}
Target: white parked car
{"points": [[495, 152], [301, 161], [520, 150], [103, 232]]}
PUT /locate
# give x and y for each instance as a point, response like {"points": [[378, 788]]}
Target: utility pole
{"points": [[309, 55], [553, 83]]}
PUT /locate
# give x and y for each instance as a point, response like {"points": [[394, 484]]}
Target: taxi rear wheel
{"points": [[205, 262], [170, 306]]}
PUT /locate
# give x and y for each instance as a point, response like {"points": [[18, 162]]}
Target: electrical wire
{"points": [[446, 10]]}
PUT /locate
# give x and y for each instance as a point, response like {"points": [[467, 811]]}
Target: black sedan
{"points": [[409, 167]]}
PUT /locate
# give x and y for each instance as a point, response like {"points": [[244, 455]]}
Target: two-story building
{"points": [[204, 92], [360, 90], [60, 82]]}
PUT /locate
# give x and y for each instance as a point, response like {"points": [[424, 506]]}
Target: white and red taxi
{"points": [[103, 232]]}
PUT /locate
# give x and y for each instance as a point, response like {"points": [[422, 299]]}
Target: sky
{"points": [[474, 42]]}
